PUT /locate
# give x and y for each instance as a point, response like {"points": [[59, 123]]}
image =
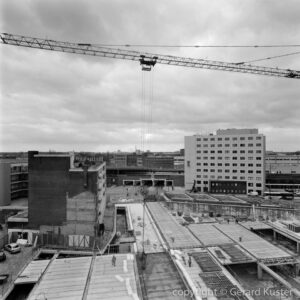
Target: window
{"points": [[250, 145], [205, 170], [250, 184], [242, 138], [205, 164], [227, 158], [242, 145], [205, 151], [227, 177], [250, 158], [234, 138], [219, 177], [219, 171], [227, 145], [234, 171], [250, 138], [227, 151], [258, 151], [198, 157], [199, 151], [198, 139], [220, 164], [242, 171], [258, 185], [188, 163], [227, 139], [205, 139], [258, 158], [212, 151], [212, 170], [242, 151], [242, 158], [258, 165], [234, 158], [234, 145], [234, 151], [212, 139], [205, 157], [220, 151], [250, 171], [227, 165], [219, 158], [250, 165], [198, 164], [212, 157], [234, 165], [212, 164], [198, 170], [219, 145], [234, 177], [250, 178], [198, 176], [242, 165], [198, 145], [250, 151], [212, 176], [205, 145], [205, 176], [227, 171], [258, 145], [258, 137], [212, 145], [219, 139], [258, 178], [198, 181], [258, 171], [242, 177]]}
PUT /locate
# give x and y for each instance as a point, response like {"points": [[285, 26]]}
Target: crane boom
{"points": [[146, 59]]}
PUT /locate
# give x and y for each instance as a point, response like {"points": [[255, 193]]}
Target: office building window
{"points": [[212, 157], [205, 145], [188, 163], [250, 151], [205, 151], [227, 139], [198, 145], [198, 170], [258, 137], [242, 177], [219, 171], [250, 171], [212, 145], [258, 171], [199, 151], [205, 170], [234, 138], [234, 158], [198, 176], [234, 171], [258, 158], [219, 157], [242, 151], [242, 145], [234, 177], [234, 145], [250, 165], [250, 178], [227, 145], [234, 151], [220, 164], [212, 151], [212, 139], [198, 164], [250, 145], [219, 139], [205, 164], [242, 138], [198, 139], [258, 145], [227, 177], [212, 164], [242, 165], [242, 171], [227, 164], [258, 151], [212, 170], [250, 138], [205, 139], [227, 171], [258, 185], [242, 158], [220, 151], [219, 145]]}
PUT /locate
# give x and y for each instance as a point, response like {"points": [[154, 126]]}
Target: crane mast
{"points": [[147, 60]]}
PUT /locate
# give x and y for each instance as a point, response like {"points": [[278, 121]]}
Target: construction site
{"points": [[171, 249]]}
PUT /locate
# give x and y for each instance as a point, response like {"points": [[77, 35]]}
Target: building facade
{"points": [[13, 180], [53, 180], [230, 162], [283, 163]]}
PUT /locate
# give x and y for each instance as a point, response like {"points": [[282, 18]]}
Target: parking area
{"points": [[13, 265]]}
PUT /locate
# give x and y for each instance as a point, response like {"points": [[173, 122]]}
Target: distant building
{"points": [[56, 184], [90, 157], [178, 162], [231, 161], [158, 162], [13, 180], [282, 163]]}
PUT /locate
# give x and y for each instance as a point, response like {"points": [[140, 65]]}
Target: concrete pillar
{"points": [[274, 235], [297, 269], [298, 247], [259, 272]]}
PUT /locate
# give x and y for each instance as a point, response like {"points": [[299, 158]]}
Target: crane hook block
{"points": [[147, 63]]}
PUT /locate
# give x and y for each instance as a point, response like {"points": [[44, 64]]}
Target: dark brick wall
{"points": [[48, 185]]}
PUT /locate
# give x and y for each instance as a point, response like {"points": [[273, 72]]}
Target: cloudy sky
{"points": [[52, 100]]}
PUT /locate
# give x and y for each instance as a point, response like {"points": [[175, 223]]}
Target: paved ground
{"points": [[13, 265]]}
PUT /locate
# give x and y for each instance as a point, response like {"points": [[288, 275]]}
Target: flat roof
{"points": [[108, 282], [71, 279], [209, 235], [152, 241], [176, 235], [64, 279], [258, 247], [32, 272]]}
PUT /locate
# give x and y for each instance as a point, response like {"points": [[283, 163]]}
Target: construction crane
{"points": [[147, 60]]}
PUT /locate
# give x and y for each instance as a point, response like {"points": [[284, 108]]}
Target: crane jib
{"points": [[147, 60]]}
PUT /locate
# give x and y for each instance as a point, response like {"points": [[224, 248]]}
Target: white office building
{"points": [[230, 162]]}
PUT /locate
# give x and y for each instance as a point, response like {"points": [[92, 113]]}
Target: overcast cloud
{"points": [[52, 100]]}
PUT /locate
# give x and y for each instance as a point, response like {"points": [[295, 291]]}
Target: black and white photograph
{"points": [[149, 150]]}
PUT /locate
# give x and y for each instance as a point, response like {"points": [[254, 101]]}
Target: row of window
{"points": [[228, 145], [235, 138], [228, 165], [228, 171], [229, 177], [228, 158], [228, 151]]}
